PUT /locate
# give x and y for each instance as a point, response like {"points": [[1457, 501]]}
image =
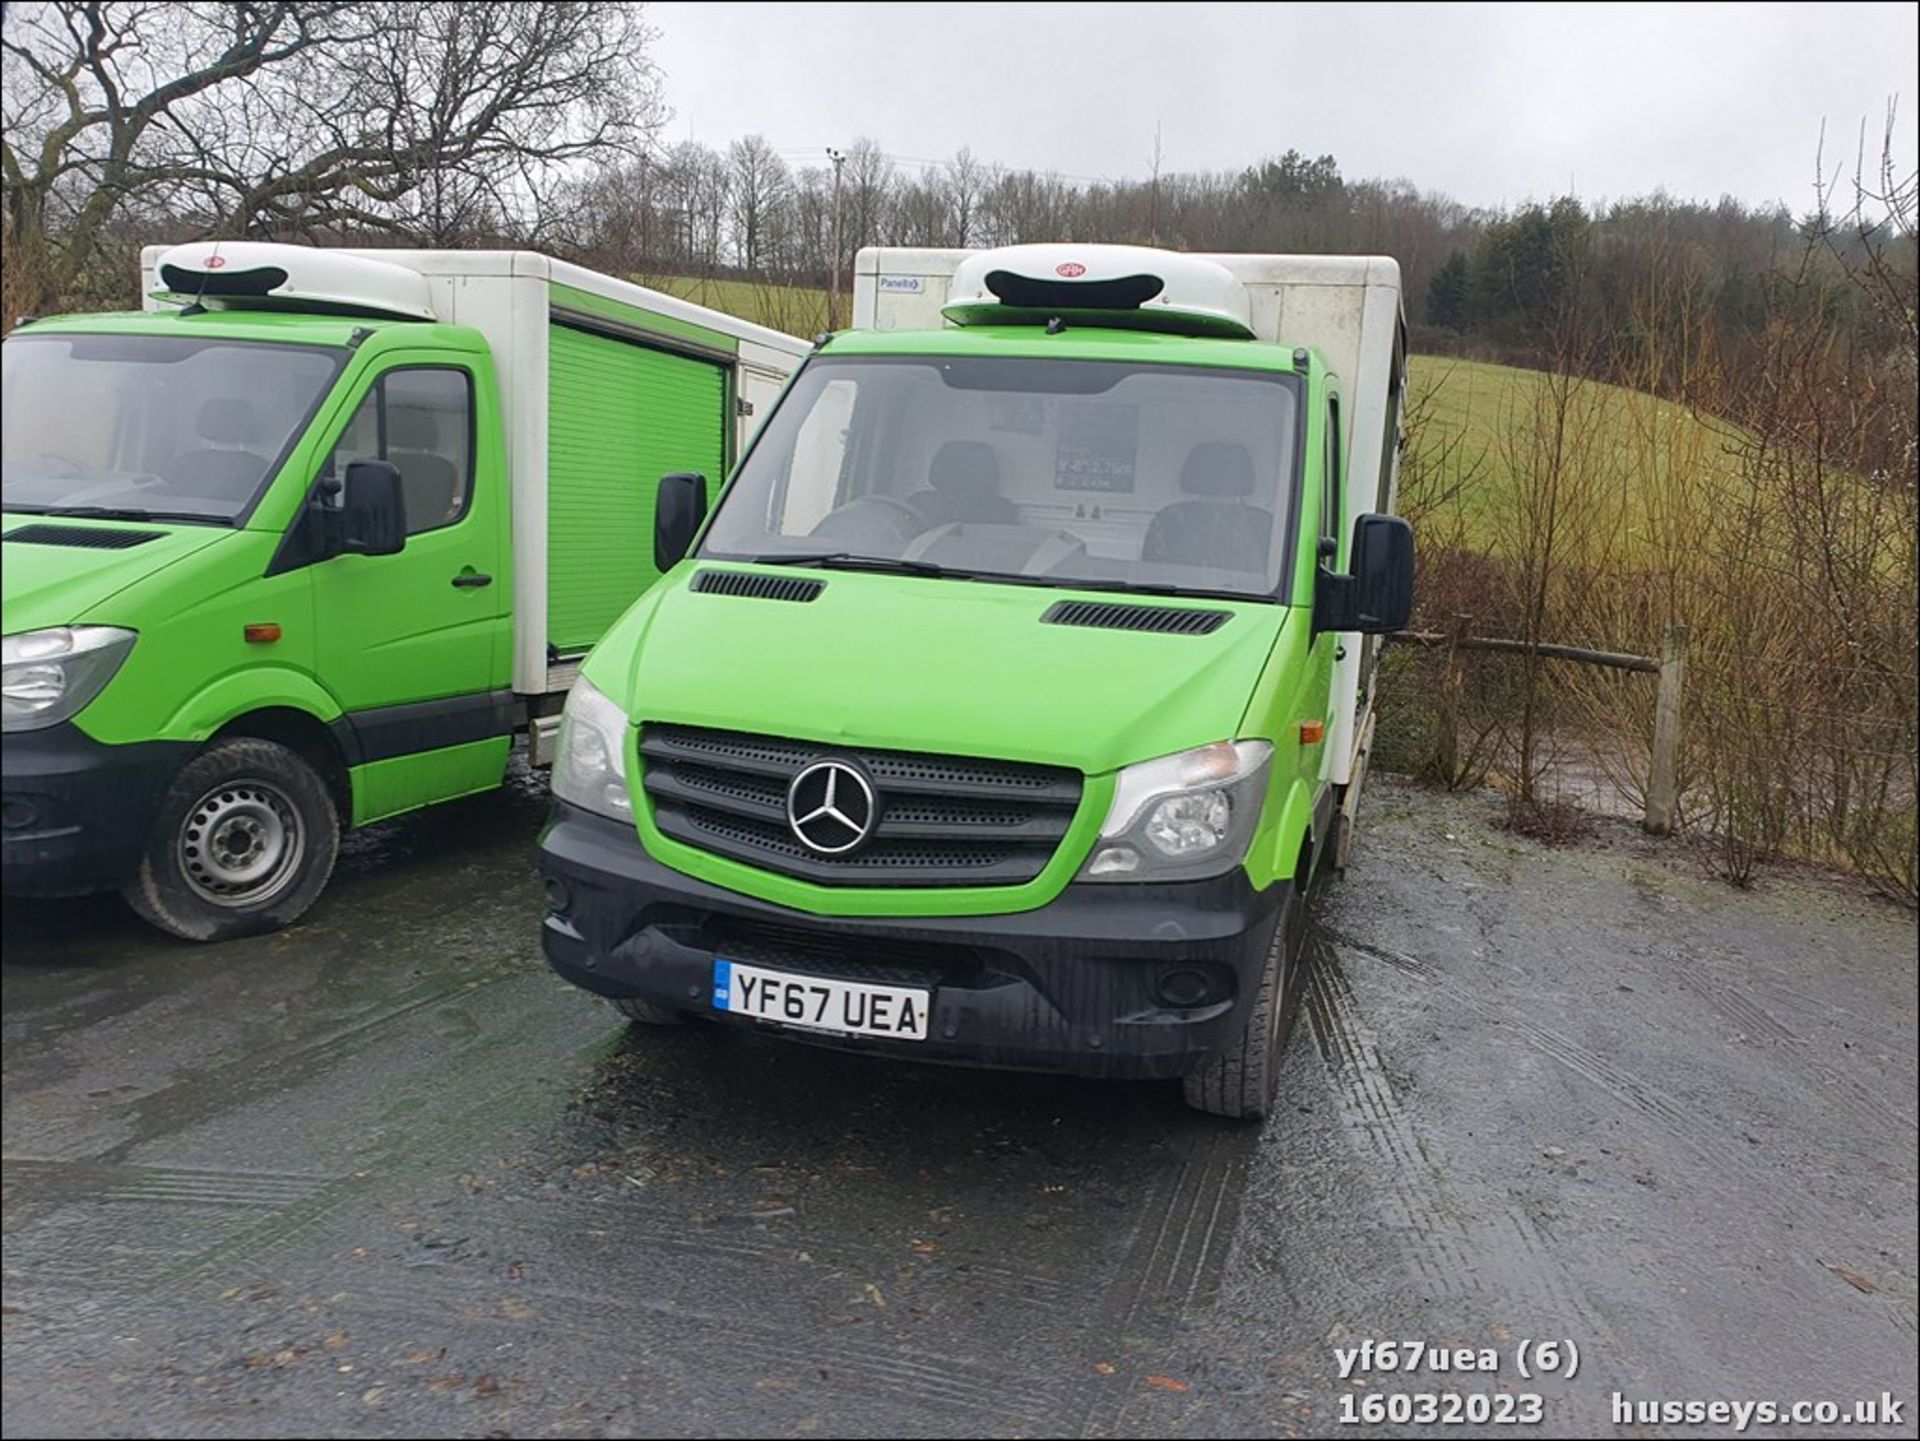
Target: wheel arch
{"points": [[308, 737]]}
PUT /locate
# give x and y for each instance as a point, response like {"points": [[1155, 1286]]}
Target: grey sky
{"points": [[1490, 103]]}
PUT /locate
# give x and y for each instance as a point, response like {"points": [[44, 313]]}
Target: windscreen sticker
{"points": [[1097, 446]]}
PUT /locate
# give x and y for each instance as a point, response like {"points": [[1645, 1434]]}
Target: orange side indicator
{"points": [[264, 634], [1312, 732]]}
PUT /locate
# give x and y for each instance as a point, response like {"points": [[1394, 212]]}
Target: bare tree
{"points": [[760, 183], [869, 187], [966, 182], [420, 118]]}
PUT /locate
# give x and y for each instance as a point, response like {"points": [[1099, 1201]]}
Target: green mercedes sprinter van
{"points": [[1002, 707]]}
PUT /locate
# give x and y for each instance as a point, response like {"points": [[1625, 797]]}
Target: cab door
{"points": [[1317, 761], [415, 645]]}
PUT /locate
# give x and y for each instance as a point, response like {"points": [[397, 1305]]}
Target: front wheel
{"points": [[1242, 1080], [244, 842]]}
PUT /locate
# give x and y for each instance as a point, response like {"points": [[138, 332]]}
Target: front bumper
{"points": [[75, 812], [1074, 986]]}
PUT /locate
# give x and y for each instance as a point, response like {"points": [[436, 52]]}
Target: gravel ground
{"points": [[384, 1175]]}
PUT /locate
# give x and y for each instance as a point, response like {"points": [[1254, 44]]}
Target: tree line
{"points": [[1476, 278], [489, 122]]}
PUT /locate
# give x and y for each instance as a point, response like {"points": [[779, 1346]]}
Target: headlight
{"points": [[590, 761], [1182, 817], [47, 676]]}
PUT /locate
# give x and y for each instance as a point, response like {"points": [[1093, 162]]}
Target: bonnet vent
{"points": [[1158, 619], [757, 587], [80, 537]]}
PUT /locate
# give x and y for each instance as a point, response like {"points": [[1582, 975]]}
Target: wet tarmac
{"points": [[384, 1175]]}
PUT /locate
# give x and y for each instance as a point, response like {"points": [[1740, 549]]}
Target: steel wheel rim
{"points": [[241, 844]]}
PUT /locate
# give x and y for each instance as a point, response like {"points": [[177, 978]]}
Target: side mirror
{"points": [[678, 508], [1377, 596], [373, 509]]}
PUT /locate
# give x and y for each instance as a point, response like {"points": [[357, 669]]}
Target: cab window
{"points": [[419, 420], [1330, 487]]}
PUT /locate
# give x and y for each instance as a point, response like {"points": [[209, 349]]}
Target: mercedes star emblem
{"points": [[830, 807]]}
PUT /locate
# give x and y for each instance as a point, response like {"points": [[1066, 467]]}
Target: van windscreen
{"points": [[1103, 474], [172, 427]]}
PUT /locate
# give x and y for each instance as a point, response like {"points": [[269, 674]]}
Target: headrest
{"points": [[1217, 468], [228, 420], [412, 429], [965, 467]]}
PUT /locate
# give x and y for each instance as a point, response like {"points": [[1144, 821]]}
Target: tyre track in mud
{"points": [[1756, 1026], [1431, 1228], [1176, 1256], [669, 1333], [1631, 1092], [1652, 1105], [287, 1234], [1459, 1249]]}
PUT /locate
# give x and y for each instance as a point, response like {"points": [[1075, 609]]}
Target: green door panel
{"points": [[394, 629], [620, 416], [406, 783]]}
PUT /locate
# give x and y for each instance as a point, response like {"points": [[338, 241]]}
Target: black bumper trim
{"points": [[75, 812], [387, 732], [1069, 987]]}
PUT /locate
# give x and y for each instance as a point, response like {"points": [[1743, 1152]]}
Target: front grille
{"points": [[941, 820]]}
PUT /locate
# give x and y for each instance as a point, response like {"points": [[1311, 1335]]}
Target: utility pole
{"points": [[833, 248], [1153, 213]]}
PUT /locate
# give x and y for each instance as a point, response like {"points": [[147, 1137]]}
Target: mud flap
{"points": [[1349, 803]]}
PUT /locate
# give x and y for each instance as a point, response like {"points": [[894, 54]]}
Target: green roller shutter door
{"points": [[621, 416]]}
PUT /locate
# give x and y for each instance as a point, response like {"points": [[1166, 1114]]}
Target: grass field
{"points": [[796, 309], [1628, 454], [1476, 422]]}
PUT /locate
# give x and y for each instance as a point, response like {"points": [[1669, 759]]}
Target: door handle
{"points": [[472, 580]]}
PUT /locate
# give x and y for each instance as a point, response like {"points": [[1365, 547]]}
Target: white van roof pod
{"points": [[1126, 286], [247, 274]]}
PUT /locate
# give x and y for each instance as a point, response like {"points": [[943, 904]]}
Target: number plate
{"points": [[817, 1003]]}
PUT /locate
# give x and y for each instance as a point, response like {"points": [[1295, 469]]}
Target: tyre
{"points": [[1240, 1082], [645, 1013], [244, 842]]}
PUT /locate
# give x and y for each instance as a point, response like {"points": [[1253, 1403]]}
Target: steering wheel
{"points": [[900, 508], [908, 521]]}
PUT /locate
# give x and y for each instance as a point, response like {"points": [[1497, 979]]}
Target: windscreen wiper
{"points": [[109, 512], [1125, 587], [849, 560]]}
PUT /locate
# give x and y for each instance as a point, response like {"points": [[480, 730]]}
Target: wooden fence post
{"points": [[1663, 776], [1447, 741]]}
